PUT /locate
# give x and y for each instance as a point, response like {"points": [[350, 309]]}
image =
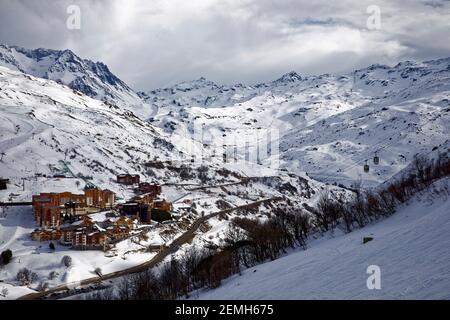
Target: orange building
{"points": [[99, 198], [144, 199], [46, 235], [89, 238], [153, 189], [49, 208], [128, 179], [162, 205]]}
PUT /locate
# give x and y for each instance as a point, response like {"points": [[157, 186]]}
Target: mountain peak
{"points": [[199, 83], [291, 76], [91, 78]]}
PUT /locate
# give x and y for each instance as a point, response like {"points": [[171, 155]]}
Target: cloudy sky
{"points": [[154, 43]]}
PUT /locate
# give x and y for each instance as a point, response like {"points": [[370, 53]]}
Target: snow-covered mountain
{"points": [[329, 125], [48, 128], [326, 125], [55, 139], [91, 78]]}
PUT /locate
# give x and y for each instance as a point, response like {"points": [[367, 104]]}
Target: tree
{"points": [[4, 292], [98, 271], [26, 276], [6, 256], [67, 261], [160, 215], [102, 295], [419, 164], [203, 173], [43, 286]]}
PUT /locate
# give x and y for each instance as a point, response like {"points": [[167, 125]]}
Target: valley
{"points": [[217, 154]]}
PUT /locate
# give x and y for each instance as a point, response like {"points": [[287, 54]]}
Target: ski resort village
{"points": [[287, 189]]}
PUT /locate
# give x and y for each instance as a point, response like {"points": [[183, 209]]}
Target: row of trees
{"points": [[257, 241], [372, 205]]}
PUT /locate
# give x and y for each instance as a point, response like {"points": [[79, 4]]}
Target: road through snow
{"points": [[26, 128]]}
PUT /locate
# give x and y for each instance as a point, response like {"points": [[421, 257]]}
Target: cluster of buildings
{"points": [[145, 202], [67, 217], [87, 234]]}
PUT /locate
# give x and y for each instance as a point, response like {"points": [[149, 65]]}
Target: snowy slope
{"points": [[412, 249], [329, 124], [48, 129], [91, 78]]}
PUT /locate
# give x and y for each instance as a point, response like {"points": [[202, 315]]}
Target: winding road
{"points": [[24, 126]]}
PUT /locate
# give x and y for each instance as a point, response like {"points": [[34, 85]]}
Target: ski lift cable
{"points": [[347, 168]]}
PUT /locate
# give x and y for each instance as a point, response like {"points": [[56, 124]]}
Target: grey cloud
{"points": [[155, 43]]}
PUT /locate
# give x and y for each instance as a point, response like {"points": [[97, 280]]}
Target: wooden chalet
{"points": [[46, 234], [84, 235], [89, 238], [149, 188], [145, 199], [162, 204], [128, 179], [117, 233]]}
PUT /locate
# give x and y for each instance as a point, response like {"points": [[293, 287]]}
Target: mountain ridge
{"points": [[324, 122], [64, 66]]}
